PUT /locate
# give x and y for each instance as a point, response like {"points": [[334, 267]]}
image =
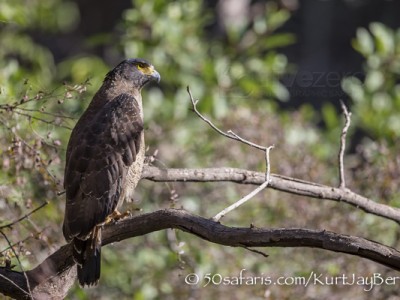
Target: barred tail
{"points": [[87, 254]]}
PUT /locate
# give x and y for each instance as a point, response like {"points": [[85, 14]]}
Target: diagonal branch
{"points": [[55, 273], [250, 195], [9, 225], [28, 290], [230, 134]]}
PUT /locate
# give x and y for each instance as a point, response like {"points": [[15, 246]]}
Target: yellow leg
{"points": [[116, 216]]}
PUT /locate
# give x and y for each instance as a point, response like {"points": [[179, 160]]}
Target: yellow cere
{"points": [[145, 69]]}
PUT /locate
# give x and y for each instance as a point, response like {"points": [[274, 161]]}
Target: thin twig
{"points": [[35, 236], [43, 163], [257, 251], [24, 217], [230, 134], [52, 122], [347, 115], [19, 262], [267, 162], [14, 284], [235, 205], [46, 113]]}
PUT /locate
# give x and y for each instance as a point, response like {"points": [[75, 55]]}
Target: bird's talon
{"points": [[114, 216], [124, 215], [117, 216]]}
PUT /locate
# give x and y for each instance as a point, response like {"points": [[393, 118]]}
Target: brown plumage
{"points": [[104, 161]]}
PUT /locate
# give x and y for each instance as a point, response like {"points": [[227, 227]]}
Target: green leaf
{"points": [[280, 91], [381, 102], [354, 88], [384, 38], [364, 42], [280, 40], [374, 80], [276, 18], [330, 116]]}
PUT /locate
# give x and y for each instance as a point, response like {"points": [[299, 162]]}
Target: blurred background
{"points": [[271, 71]]}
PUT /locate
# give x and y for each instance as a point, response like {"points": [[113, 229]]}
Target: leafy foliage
{"points": [[376, 110], [377, 97], [235, 73], [32, 124], [221, 70]]}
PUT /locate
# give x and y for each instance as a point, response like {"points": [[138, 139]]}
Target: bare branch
{"points": [[229, 134], [30, 236], [56, 274], [277, 182], [55, 115], [43, 163], [28, 287], [268, 163], [52, 122], [235, 205], [257, 252], [13, 284], [24, 216], [347, 115], [252, 194]]}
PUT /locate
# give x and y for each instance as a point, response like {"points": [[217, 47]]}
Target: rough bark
{"points": [[278, 182], [55, 275]]}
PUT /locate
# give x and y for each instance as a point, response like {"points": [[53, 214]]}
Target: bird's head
{"points": [[136, 71]]}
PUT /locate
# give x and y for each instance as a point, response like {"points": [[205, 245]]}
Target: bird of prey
{"points": [[104, 161]]}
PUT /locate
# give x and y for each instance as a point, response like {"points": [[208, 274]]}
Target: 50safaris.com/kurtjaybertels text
{"points": [[367, 282]]}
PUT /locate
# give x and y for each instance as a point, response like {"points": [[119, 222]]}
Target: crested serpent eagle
{"points": [[104, 161]]}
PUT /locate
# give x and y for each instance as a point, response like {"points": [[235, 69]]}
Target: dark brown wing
{"points": [[101, 148]]}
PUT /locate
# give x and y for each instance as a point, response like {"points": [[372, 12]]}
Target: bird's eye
{"points": [[144, 68], [141, 66]]}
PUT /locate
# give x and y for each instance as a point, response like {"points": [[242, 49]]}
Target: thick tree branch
{"points": [[277, 182], [55, 275]]}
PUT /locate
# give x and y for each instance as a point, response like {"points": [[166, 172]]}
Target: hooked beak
{"points": [[155, 75]]}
